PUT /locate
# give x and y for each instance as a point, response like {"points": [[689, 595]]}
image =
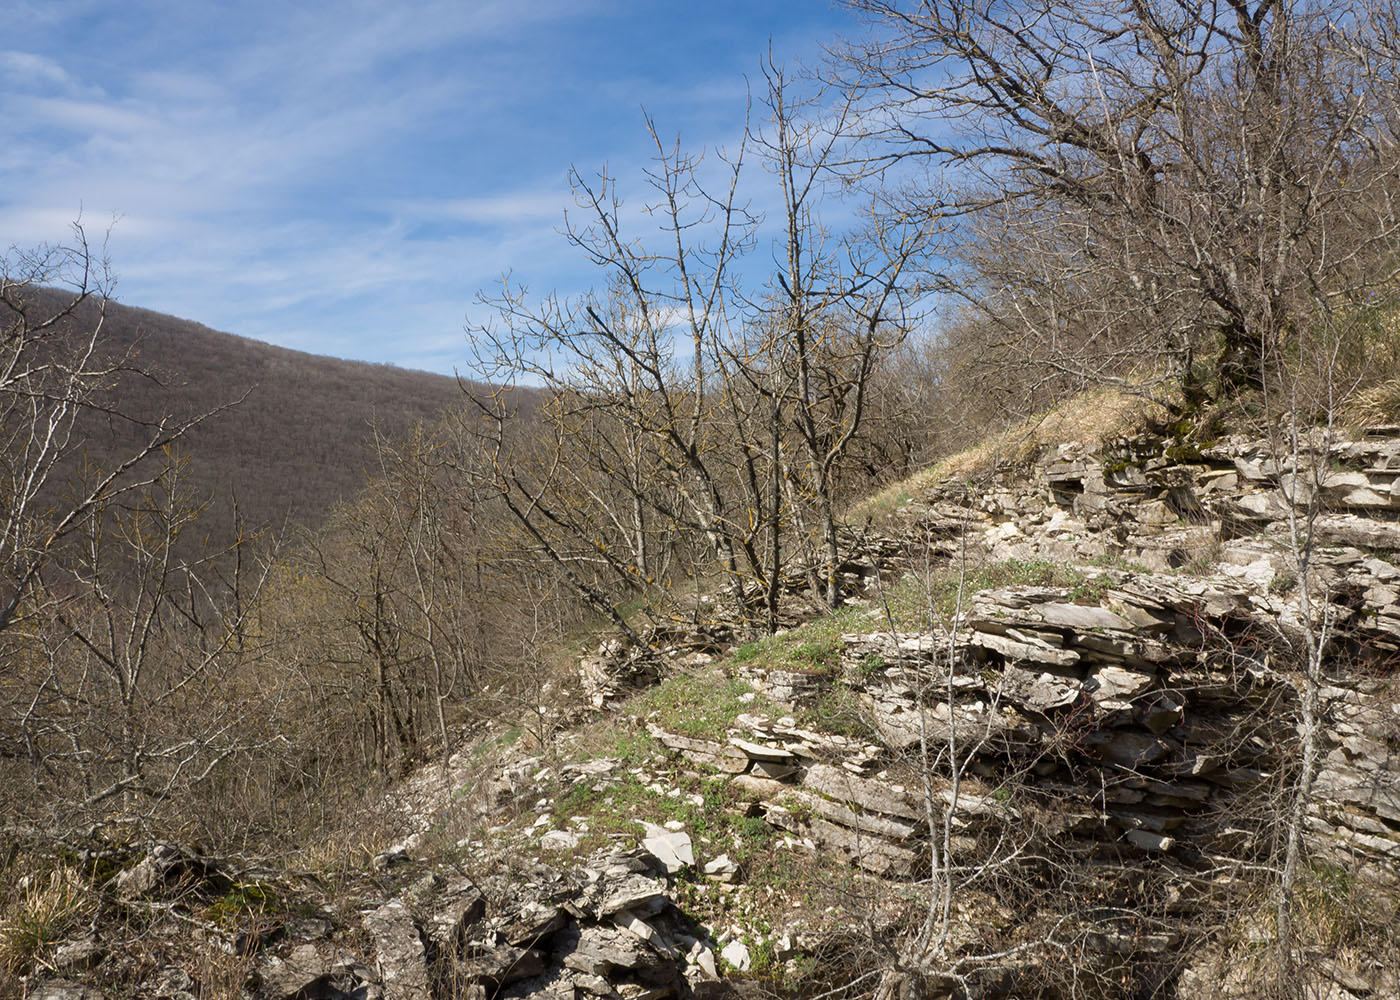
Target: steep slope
{"points": [[1054, 751]]}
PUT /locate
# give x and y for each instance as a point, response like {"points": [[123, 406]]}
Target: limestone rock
{"points": [[559, 840], [399, 953], [600, 950], [736, 953], [307, 971], [63, 990], [464, 905], [880, 796], [720, 756], [672, 848]]}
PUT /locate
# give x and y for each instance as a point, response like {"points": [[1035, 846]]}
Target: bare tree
{"points": [[1140, 180], [54, 368], [634, 374], [683, 406], [130, 679], [841, 302]]}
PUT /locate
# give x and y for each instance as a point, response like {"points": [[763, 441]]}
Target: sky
{"points": [[343, 178]]}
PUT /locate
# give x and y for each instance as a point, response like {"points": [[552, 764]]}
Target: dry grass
{"points": [[221, 975], [1380, 404], [39, 916], [1089, 419]]}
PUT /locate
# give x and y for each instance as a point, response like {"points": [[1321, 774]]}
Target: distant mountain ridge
{"points": [[296, 445]]}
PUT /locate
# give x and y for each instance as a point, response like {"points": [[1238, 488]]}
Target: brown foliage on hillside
{"points": [[300, 438]]}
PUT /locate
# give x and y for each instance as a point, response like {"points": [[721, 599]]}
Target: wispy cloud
{"points": [[28, 70], [342, 176]]}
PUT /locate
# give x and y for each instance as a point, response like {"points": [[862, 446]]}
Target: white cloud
{"points": [[543, 204], [90, 118], [29, 69]]}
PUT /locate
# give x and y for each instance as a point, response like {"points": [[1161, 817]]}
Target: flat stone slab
{"points": [[761, 751], [840, 785], [672, 848]]}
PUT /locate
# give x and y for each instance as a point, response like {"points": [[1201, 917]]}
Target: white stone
{"points": [[705, 959], [559, 840], [1260, 573], [758, 751], [672, 848], [720, 866], [634, 924], [1150, 841], [736, 953]]}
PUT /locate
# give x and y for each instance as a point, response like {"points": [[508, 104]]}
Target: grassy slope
{"points": [[1090, 419]]}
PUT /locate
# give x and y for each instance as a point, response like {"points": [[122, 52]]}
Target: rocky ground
{"points": [[1050, 751]]}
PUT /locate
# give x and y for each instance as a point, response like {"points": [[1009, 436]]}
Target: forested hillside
{"points": [[295, 432]]}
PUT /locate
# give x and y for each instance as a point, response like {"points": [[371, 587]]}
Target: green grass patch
{"points": [[700, 705], [244, 900], [716, 823], [936, 596], [813, 647]]}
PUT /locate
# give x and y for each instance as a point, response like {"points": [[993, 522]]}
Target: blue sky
{"points": [[342, 178]]}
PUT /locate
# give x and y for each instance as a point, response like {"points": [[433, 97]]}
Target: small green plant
{"points": [[242, 900], [746, 653], [813, 647], [1328, 904], [754, 835], [702, 705], [499, 741], [1283, 582], [635, 748], [1118, 561], [763, 958], [819, 655], [1090, 590], [799, 809], [870, 665]]}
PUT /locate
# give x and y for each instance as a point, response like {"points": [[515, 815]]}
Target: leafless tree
{"points": [[842, 302], [633, 367], [1138, 182], [135, 683], [55, 368], [685, 405]]}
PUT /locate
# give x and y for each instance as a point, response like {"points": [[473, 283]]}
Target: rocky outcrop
{"points": [[1227, 504], [616, 668], [606, 927], [1147, 713], [1124, 742]]}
